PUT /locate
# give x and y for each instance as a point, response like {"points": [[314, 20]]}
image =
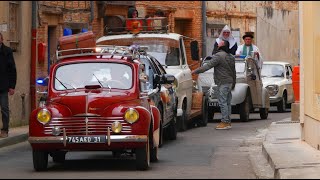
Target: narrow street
{"points": [[200, 152]]}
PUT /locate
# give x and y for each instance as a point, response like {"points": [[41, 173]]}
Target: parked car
{"points": [[170, 49], [97, 101], [277, 78], [165, 100], [247, 95]]}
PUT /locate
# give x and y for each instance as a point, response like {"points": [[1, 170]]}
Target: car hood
{"points": [[271, 80], [83, 102]]}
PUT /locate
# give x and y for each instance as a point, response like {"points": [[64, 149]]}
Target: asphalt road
{"points": [[200, 152]]}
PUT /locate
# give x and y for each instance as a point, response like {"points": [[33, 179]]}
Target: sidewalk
{"points": [[16, 135], [288, 156]]}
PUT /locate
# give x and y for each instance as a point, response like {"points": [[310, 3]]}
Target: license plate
{"points": [[213, 104], [86, 139]]}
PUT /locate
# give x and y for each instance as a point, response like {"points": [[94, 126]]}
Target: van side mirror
{"points": [[194, 50], [168, 79]]}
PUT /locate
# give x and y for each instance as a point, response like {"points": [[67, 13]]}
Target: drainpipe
{"points": [[92, 11], [204, 29], [33, 56]]}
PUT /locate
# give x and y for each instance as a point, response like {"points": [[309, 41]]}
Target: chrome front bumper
{"points": [[112, 138]]}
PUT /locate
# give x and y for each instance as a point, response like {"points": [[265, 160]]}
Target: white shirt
{"points": [[255, 49]]}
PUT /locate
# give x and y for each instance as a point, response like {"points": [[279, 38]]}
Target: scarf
{"points": [[245, 51]]}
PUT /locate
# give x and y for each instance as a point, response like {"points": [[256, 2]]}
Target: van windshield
{"points": [[165, 50]]}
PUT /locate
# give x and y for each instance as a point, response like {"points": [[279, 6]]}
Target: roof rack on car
{"points": [[138, 25], [101, 50]]}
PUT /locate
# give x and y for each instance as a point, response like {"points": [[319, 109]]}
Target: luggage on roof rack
{"points": [[81, 40]]}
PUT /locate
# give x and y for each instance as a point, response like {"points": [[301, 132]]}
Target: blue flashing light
{"points": [[42, 81]]}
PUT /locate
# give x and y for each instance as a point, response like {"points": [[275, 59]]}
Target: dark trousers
{"points": [[4, 104]]}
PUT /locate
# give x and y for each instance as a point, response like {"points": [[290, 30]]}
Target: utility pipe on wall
{"points": [[33, 56], [204, 29]]}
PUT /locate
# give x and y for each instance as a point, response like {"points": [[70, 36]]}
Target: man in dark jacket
{"points": [[225, 78], [8, 79]]}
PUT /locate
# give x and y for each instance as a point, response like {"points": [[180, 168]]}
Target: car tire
{"points": [[143, 157], [40, 160], [172, 129], [245, 108], [153, 150], [281, 105], [206, 112], [161, 127], [264, 113], [183, 124], [59, 157]]}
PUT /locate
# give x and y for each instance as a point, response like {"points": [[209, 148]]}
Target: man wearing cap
{"points": [[246, 49]]}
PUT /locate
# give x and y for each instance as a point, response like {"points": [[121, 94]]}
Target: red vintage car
{"points": [[95, 101]]}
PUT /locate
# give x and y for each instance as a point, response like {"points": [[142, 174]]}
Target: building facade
{"points": [[309, 73], [15, 26], [274, 25]]}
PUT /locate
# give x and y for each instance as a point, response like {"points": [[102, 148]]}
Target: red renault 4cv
{"points": [[96, 101]]}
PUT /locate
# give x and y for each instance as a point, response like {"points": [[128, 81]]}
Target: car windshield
{"points": [[165, 50], [272, 70], [79, 75]]}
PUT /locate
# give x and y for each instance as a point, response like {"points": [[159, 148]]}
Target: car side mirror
{"points": [[157, 80], [168, 79], [194, 50]]}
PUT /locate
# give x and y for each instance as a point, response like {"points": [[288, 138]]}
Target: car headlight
{"points": [[131, 115], [273, 89], [175, 84], [44, 116]]}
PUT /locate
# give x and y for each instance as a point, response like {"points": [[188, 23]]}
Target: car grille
{"points": [[78, 126], [205, 89]]}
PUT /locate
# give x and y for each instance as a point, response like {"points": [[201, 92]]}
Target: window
{"points": [[14, 29]]}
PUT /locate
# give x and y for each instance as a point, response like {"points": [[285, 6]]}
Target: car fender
{"points": [[239, 93], [266, 99], [156, 124]]}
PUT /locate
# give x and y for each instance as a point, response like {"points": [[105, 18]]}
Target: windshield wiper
{"points": [[98, 80], [60, 82]]}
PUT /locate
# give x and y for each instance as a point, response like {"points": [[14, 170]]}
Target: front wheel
{"points": [[281, 106], [40, 160], [143, 157], [245, 108], [264, 113], [183, 124], [172, 129], [207, 112]]}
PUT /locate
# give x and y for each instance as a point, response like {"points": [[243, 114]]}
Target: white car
{"points": [[277, 78]]}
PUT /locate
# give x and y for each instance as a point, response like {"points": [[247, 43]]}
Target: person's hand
{"points": [[221, 43], [193, 72], [11, 92], [257, 54]]}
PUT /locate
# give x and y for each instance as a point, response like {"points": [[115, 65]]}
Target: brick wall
{"points": [[193, 28]]}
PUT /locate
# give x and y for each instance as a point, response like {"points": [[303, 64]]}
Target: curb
{"points": [[14, 140], [270, 161]]}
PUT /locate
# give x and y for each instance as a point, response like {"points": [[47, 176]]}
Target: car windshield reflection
{"points": [[79, 75], [272, 70]]}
